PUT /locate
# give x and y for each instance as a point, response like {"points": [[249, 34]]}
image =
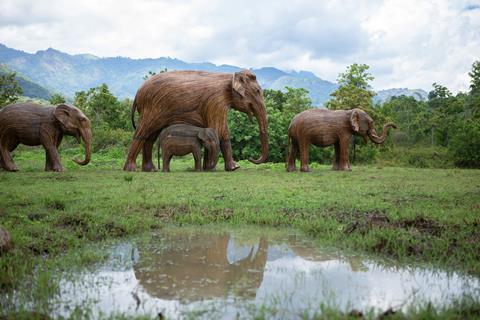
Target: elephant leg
{"points": [[292, 155], [6, 160], [344, 163], [226, 148], [53, 159], [197, 157], [135, 147], [166, 158], [139, 139], [304, 157], [336, 158], [48, 161], [147, 163], [206, 159]]}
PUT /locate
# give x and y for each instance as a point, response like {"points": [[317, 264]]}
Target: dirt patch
{"points": [[115, 229], [35, 216], [73, 220], [55, 205], [221, 214], [364, 222], [422, 225], [166, 212]]}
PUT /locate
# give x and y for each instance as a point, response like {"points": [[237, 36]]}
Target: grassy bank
{"points": [[428, 215]]}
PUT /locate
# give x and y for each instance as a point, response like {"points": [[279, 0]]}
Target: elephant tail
{"points": [[158, 154], [134, 108]]}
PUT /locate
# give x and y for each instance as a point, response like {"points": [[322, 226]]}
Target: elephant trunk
{"points": [[87, 139], [263, 126], [378, 140]]}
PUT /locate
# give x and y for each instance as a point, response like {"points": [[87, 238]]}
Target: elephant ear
{"points": [[62, 114], [355, 120], [238, 83], [202, 135]]}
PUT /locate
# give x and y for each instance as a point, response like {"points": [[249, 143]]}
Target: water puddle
{"points": [[205, 273]]}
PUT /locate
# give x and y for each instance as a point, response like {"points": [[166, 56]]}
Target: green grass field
{"points": [[430, 216]]}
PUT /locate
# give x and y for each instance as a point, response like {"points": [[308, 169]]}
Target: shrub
{"points": [[464, 146]]}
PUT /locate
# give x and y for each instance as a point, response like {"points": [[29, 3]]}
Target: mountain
{"points": [[29, 88], [385, 95], [68, 74]]}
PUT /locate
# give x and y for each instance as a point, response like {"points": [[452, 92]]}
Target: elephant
{"points": [[322, 128], [182, 139], [195, 266], [198, 98], [32, 124]]}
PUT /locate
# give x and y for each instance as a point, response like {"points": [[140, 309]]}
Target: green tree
{"points": [[103, 108], [475, 77], [281, 107], [56, 98], [9, 89], [354, 90], [464, 146], [472, 103], [445, 111]]}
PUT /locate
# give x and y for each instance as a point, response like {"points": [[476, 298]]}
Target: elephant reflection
{"points": [[195, 266]]}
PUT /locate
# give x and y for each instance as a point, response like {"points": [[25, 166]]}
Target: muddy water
{"points": [[224, 274]]}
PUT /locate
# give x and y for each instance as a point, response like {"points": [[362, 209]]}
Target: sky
{"points": [[406, 43]]}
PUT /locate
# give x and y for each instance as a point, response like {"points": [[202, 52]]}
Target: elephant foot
{"points": [[291, 169], [130, 166], [305, 169], [54, 169], [12, 168], [231, 167], [148, 167]]}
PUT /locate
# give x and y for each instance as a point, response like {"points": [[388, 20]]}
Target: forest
{"points": [[441, 132]]}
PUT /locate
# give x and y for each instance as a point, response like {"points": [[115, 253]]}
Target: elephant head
{"points": [[362, 124], [74, 123], [248, 98]]}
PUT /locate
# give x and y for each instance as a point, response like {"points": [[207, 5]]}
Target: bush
{"points": [[419, 157], [464, 146]]}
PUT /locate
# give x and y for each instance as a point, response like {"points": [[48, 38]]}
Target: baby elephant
{"points": [[182, 139], [32, 124]]}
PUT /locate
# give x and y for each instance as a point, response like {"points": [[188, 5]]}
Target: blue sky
{"points": [[406, 43]]}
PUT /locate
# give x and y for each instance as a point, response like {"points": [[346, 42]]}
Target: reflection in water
{"points": [[196, 266], [225, 274]]}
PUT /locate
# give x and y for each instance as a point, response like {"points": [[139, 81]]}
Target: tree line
{"points": [[443, 130]]}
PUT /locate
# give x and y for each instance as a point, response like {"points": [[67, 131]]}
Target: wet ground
{"points": [[210, 272]]}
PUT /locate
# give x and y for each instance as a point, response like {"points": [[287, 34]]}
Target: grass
{"points": [[423, 215]]}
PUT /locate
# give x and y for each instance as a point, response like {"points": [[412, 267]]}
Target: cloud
{"points": [[406, 43]]}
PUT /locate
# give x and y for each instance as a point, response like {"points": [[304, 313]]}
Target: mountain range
{"points": [[60, 72]]}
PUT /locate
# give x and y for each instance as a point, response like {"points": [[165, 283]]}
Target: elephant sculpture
{"points": [[32, 124], [197, 98], [196, 266], [322, 128], [182, 139]]}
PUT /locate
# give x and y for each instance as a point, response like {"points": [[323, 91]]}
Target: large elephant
{"points": [[32, 124], [322, 128], [197, 98]]}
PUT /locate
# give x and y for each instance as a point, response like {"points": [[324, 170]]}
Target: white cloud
{"points": [[406, 43]]}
